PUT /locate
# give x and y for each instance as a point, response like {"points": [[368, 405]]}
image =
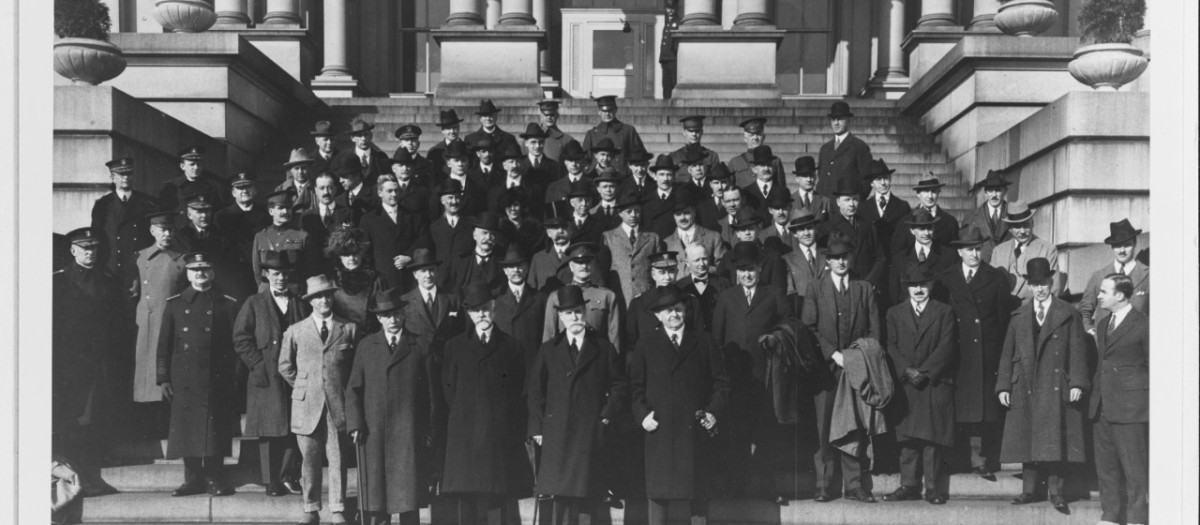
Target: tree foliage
{"points": [[1111, 21], [81, 19]]}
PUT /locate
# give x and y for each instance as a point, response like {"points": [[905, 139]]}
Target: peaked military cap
{"points": [[121, 165], [84, 237], [192, 153], [408, 131], [197, 261]]}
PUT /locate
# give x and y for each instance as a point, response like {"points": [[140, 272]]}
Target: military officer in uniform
{"points": [[624, 136], [160, 275], [754, 134], [693, 132], [556, 138], [239, 222], [604, 311], [193, 180], [199, 235], [283, 235], [119, 218], [196, 365], [409, 136]]}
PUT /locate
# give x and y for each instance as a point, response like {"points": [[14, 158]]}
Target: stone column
{"points": [[493, 13], [465, 13], [517, 13], [753, 13], [232, 12], [891, 36], [282, 12], [936, 13], [539, 17], [729, 11], [335, 79], [985, 16], [700, 13]]}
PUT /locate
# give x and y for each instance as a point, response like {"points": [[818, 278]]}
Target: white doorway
{"points": [[611, 52]]}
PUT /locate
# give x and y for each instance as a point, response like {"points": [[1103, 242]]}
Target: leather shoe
{"points": [[277, 490], [1026, 498], [860, 495], [822, 497], [904, 494], [292, 486], [936, 499], [216, 488], [1060, 504], [309, 518], [984, 473], [780, 500], [337, 518], [189, 488]]}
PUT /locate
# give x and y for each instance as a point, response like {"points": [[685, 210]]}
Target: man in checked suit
{"points": [[805, 263], [845, 157], [631, 247], [1013, 255], [839, 308], [1120, 404]]}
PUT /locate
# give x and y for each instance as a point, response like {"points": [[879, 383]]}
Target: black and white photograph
{"points": [[575, 262]]}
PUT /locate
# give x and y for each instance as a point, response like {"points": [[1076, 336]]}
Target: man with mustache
{"points": [[480, 264]]}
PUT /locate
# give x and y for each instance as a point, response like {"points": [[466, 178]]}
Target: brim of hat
{"points": [[801, 225], [415, 267], [554, 223], [614, 151], [266, 266], [191, 157], [1048, 277], [906, 280], [582, 258], [378, 311], [872, 176], [241, 183], [847, 114], [930, 223], [958, 243], [448, 123], [319, 293], [743, 263], [568, 306], [830, 253], [481, 113], [297, 163], [514, 262], [121, 171], [1123, 238], [89, 243], [198, 266], [928, 186], [204, 207], [407, 136], [805, 172], [322, 133], [839, 193], [661, 307], [1010, 220]]}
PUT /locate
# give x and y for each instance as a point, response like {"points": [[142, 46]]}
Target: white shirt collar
{"points": [[626, 228], [481, 334], [317, 320], [427, 293], [246, 207], [1120, 313], [576, 340], [967, 269], [516, 288], [674, 334], [1131, 265], [919, 306], [389, 337], [1045, 305], [281, 302]]}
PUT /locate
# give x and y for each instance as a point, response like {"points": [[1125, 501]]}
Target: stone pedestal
{"points": [[478, 63], [719, 64], [925, 46], [291, 48]]}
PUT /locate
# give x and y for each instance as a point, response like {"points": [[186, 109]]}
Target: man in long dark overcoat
{"points": [[978, 293], [257, 335], [483, 378], [120, 218], [679, 391], [920, 334], [520, 309], [391, 412], [1042, 379], [845, 157], [576, 388], [196, 364]]}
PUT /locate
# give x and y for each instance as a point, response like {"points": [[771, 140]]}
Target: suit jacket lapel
{"points": [[685, 349], [1122, 329], [403, 349], [1054, 317], [525, 302], [587, 354]]}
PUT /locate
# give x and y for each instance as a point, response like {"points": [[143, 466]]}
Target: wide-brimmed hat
{"points": [[664, 162], [486, 107], [1038, 270], [569, 296], [322, 129], [319, 285], [557, 213], [664, 260], [456, 150], [840, 109], [837, 246], [745, 218], [192, 153], [968, 237], [848, 186], [387, 301], [609, 174], [298, 156], [84, 237], [921, 217], [1121, 232], [534, 131], [668, 296], [476, 294], [753, 125], [762, 155], [509, 151], [802, 218], [121, 166], [573, 151], [631, 198], [1018, 212], [606, 102], [606, 144], [489, 221], [931, 183], [276, 260], [719, 172], [583, 251], [877, 168], [359, 126], [242, 178], [994, 179], [579, 188], [408, 131], [450, 187], [197, 261], [746, 254], [448, 118], [422, 258], [917, 273], [692, 122], [514, 256], [806, 166], [548, 105]]}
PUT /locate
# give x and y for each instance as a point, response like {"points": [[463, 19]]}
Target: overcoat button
{"points": [[187, 311], [185, 329]]}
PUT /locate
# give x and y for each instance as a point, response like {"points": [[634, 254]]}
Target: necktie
{"points": [[403, 185], [919, 308], [766, 189], [1041, 313], [882, 202], [920, 254], [970, 275], [324, 331], [675, 341], [452, 221], [281, 295], [1017, 251], [749, 295], [1112, 325], [1124, 269], [429, 301], [574, 350], [632, 236], [608, 211], [842, 285], [812, 260], [125, 199], [517, 296], [392, 344], [483, 338], [364, 160], [328, 219]]}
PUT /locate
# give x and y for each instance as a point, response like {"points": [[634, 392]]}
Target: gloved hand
{"points": [[911, 374]]}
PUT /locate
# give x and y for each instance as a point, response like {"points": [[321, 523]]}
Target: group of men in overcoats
{"points": [[615, 331]]}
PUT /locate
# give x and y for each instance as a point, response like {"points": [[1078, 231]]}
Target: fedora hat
{"points": [[692, 122], [84, 237], [408, 131], [668, 296], [848, 186], [609, 174], [631, 198], [968, 237], [359, 126], [1037, 270], [557, 213], [569, 296], [422, 258], [837, 246], [509, 151], [387, 301], [476, 294], [276, 260], [806, 166], [761, 155], [579, 188], [639, 157], [483, 143], [583, 251], [753, 125], [746, 218], [877, 168], [322, 129], [921, 217], [779, 200], [746, 254], [682, 200], [450, 187], [607, 102], [486, 107], [1018, 212], [319, 285], [297, 158], [994, 179], [931, 183], [122, 165], [802, 218], [489, 221], [197, 261], [456, 150], [692, 156], [664, 260], [663, 162], [534, 131], [514, 256], [448, 118], [606, 144], [1121, 232], [719, 172], [840, 109], [402, 157], [192, 153], [573, 151], [917, 273]]}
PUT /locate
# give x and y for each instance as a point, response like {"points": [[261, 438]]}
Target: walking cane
{"points": [[362, 482], [532, 451]]}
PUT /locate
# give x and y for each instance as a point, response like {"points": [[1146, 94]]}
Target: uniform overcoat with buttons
{"points": [[160, 275], [126, 231], [257, 336], [195, 354], [87, 326], [1039, 368], [983, 309]]}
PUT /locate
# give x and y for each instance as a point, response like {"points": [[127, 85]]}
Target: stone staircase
{"points": [[795, 128]]}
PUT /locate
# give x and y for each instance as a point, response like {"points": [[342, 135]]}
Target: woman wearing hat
{"points": [[357, 283]]}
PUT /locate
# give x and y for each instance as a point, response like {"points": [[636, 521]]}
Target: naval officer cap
{"points": [[606, 103], [120, 166], [753, 125], [83, 237]]}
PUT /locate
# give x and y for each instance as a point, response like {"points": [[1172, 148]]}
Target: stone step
{"points": [[712, 140], [160, 508], [659, 124], [820, 104], [635, 116], [146, 450]]}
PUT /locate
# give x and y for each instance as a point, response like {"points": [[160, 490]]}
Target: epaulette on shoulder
{"points": [[231, 299], [176, 296]]}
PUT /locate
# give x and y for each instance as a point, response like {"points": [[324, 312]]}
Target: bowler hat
{"points": [[408, 131], [276, 260], [319, 285], [514, 256], [840, 109], [489, 221], [994, 179], [359, 126], [837, 246], [1018, 212], [921, 217], [573, 151], [761, 155], [281, 198], [197, 261], [298, 157], [801, 219], [692, 122], [570, 296], [510, 151], [806, 166], [848, 186], [486, 107], [448, 118], [163, 218], [450, 187], [607, 102], [719, 172], [387, 301], [557, 213], [682, 200], [534, 131], [484, 142], [1121, 232], [121, 165], [241, 179], [663, 162], [753, 125], [877, 168], [579, 188], [456, 150], [639, 157], [931, 183], [609, 174], [1037, 270], [606, 144], [629, 199], [746, 218], [746, 254], [476, 294], [664, 260], [322, 129], [668, 296], [582, 251], [83, 237], [917, 273], [779, 200], [968, 237], [421, 258], [403, 157]]}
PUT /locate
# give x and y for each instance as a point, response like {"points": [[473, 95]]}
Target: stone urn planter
{"points": [[1107, 67], [87, 61], [1026, 18], [185, 16]]}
